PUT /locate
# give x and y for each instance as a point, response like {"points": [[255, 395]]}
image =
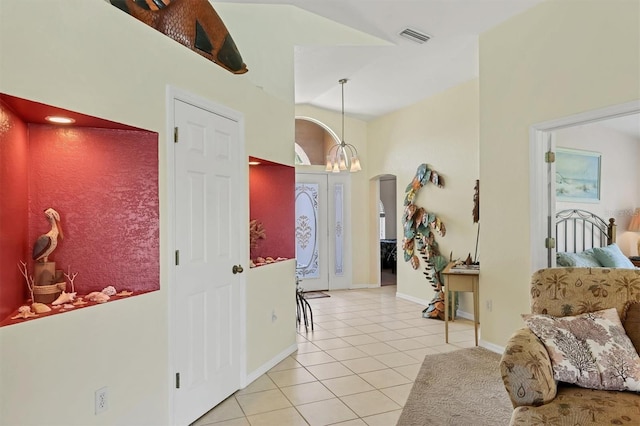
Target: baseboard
{"points": [[413, 299], [490, 346], [465, 315], [357, 286], [269, 365]]}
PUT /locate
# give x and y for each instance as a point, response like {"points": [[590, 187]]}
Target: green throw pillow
{"points": [[586, 259], [611, 257]]}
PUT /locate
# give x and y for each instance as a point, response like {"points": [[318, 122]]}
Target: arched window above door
{"points": [[313, 139], [302, 159]]}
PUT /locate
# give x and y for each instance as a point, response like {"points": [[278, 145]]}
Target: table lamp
{"points": [[634, 225]]}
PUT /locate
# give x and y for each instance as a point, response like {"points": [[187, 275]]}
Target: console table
{"points": [[463, 280]]}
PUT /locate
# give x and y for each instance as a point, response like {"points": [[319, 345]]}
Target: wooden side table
{"points": [[466, 280]]}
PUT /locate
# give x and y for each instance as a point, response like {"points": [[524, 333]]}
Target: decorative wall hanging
{"points": [[420, 227], [577, 176], [193, 23]]}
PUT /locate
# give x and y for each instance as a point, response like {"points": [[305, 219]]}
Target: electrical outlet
{"points": [[489, 305], [274, 317], [102, 400]]}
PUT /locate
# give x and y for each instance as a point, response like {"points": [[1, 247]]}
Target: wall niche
{"points": [[102, 178], [271, 211]]}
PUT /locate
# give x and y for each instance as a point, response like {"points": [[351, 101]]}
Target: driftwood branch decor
{"points": [[193, 23], [256, 232]]}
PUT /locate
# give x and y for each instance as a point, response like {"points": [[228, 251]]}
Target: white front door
{"points": [[323, 231], [208, 240], [311, 231]]}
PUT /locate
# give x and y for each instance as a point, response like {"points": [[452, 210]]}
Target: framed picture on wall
{"points": [[577, 175]]}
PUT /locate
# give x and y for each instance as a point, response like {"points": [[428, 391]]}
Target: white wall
{"points": [[441, 131], [620, 177], [558, 59], [88, 56]]}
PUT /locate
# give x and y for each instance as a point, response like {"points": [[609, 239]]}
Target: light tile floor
{"points": [[356, 368]]}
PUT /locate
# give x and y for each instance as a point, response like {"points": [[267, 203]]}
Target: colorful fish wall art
{"points": [[192, 23]]}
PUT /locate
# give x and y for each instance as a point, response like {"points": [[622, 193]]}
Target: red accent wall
{"points": [[13, 209], [104, 184], [272, 202]]}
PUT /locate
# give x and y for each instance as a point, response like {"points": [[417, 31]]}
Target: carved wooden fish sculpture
{"points": [[46, 243], [193, 23]]}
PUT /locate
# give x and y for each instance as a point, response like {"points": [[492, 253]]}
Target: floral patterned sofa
{"points": [[526, 366]]}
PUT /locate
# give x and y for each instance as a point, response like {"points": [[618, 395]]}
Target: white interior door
{"points": [[208, 197], [323, 231]]}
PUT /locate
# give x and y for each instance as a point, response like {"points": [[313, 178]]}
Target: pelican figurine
{"points": [[46, 243]]}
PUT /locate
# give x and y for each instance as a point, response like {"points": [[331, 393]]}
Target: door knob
{"points": [[237, 269]]}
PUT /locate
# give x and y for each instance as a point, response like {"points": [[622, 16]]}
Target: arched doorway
{"points": [[387, 231]]}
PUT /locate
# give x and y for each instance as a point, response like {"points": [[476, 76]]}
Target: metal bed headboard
{"points": [[578, 230]]}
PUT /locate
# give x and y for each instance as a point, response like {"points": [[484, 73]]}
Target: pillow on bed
{"points": [[611, 257], [590, 350], [586, 259]]}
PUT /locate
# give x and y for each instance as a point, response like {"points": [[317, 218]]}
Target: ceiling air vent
{"points": [[414, 35]]}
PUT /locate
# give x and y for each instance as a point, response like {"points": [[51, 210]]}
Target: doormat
{"points": [[314, 294]]}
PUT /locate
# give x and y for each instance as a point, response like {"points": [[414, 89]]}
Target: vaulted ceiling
{"points": [[385, 78]]}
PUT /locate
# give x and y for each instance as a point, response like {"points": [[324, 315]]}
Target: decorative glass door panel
{"points": [[339, 228], [322, 231], [307, 244]]}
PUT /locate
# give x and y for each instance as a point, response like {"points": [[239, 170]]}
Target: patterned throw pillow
{"points": [[631, 322], [590, 350]]}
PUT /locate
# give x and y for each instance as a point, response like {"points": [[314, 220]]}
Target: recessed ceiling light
{"points": [[254, 163], [59, 119]]}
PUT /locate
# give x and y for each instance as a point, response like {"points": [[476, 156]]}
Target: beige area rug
{"points": [[458, 388]]}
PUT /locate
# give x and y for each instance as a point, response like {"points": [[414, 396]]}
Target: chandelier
{"points": [[343, 156]]}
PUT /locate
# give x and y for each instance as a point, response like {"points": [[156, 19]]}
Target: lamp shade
{"points": [[634, 225]]}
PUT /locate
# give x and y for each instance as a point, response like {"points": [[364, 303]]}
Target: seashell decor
{"points": [[64, 298], [24, 312], [65, 301], [40, 308], [97, 297], [109, 291]]}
